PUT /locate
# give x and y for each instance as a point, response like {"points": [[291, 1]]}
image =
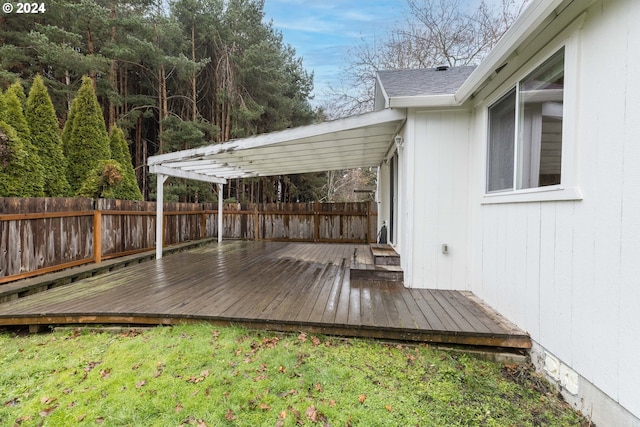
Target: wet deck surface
{"points": [[272, 285]]}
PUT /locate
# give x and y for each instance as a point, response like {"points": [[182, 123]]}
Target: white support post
{"points": [[220, 193], [159, 213]]}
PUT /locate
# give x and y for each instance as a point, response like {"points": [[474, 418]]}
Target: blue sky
{"points": [[323, 31]]}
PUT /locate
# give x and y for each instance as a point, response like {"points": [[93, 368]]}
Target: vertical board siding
{"points": [[567, 272], [438, 153], [57, 232]]}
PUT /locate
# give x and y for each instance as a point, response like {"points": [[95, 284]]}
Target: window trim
{"points": [[567, 189]]}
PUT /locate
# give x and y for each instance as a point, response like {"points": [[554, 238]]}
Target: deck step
{"points": [[384, 255], [380, 262], [391, 273]]}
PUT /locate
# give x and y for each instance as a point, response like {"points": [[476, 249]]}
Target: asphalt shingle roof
{"points": [[424, 81]]}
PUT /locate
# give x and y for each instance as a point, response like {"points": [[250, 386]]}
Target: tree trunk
{"points": [[93, 75], [194, 106], [162, 104], [113, 73]]}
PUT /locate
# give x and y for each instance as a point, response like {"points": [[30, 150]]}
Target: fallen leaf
{"points": [[388, 408], [311, 413], [270, 342], [283, 415], [302, 337], [81, 418], [47, 411], [201, 423], [315, 341], [282, 369], [332, 403], [318, 387], [204, 373], [229, 416], [178, 408], [265, 407], [47, 400], [141, 384], [12, 402], [362, 398], [105, 373], [99, 420]]}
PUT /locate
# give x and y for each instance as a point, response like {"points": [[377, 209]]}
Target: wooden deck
{"points": [[271, 285]]}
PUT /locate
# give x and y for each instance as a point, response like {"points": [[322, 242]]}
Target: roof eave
{"points": [[531, 18], [425, 101]]}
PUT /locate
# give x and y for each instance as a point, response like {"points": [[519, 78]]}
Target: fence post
{"points": [[367, 235], [203, 224], [256, 223], [316, 219], [97, 236]]}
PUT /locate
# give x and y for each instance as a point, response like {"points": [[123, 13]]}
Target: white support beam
{"points": [[160, 213], [220, 194], [159, 169]]}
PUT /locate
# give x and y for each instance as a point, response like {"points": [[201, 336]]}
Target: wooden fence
{"points": [[41, 235]]}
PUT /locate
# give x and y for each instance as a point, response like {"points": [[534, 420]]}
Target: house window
{"points": [[525, 131]]}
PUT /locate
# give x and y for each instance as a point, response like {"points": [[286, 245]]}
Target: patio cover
{"points": [[358, 141]]}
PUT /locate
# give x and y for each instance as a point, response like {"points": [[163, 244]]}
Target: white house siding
{"points": [[436, 162], [568, 272]]}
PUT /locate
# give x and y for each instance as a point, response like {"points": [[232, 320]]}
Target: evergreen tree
{"points": [[45, 135], [104, 181], [18, 90], [85, 138], [14, 170], [128, 189], [33, 185]]}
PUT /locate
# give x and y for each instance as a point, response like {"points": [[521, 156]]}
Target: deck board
{"points": [[277, 285]]}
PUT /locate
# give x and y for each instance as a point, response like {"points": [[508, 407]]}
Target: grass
{"points": [[207, 376]]}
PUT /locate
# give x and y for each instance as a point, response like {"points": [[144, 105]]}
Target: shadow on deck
{"points": [[270, 285]]}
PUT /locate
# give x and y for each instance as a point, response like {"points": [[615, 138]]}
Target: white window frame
{"points": [[567, 189]]}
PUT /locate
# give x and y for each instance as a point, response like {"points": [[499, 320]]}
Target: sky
{"points": [[323, 31]]}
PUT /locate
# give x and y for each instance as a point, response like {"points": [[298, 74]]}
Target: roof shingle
{"points": [[424, 81]]}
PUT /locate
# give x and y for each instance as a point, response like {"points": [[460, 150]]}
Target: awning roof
{"points": [[358, 141]]}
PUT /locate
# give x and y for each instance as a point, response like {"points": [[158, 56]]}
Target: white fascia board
{"points": [[159, 169], [354, 122], [531, 19], [380, 91], [423, 101]]}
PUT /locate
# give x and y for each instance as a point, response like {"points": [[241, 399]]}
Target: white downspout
{"points": [[159, 213], [220, 193]]}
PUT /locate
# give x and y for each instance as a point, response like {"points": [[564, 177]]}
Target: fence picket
{"points": [[40, 235]]}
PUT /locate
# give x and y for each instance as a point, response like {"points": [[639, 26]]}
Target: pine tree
{"points": [[33, 185], [14, 171], [128, 188], [45, 135], [18, 90], [85, 138]]}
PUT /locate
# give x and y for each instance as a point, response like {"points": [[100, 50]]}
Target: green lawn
{"points": [[209, 376]]}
